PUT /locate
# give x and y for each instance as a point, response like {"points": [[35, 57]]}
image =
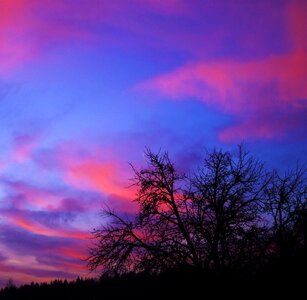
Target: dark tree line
{"points": [[230, 214]]}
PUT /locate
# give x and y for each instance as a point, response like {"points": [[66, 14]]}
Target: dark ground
{"points": [[282, 279]]}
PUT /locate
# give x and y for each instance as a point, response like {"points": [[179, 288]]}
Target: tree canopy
{"points": [[230, 213]]}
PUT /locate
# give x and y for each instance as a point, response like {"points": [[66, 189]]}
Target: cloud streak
{"points": [[30, 28], [29, 256]]}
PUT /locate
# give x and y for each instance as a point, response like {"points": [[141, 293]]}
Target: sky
{"points": [[85, 86]]}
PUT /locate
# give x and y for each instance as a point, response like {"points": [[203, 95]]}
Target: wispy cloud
{"points": [[30, 28], [22, 147], [251, 90], [28, 256]]}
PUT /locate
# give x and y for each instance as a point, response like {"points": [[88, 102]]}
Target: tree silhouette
{"points": [[158, 237], [213, 219], [284, 203], [225, 195]]}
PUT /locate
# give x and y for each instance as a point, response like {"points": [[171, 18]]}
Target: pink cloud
{"points": [[94, 168], [101, 171], [15, 19], [73, 253], [28, 256], [106, 178], [27, 223], [92, 176], [247, 89], [29, 28], [267, 125], [26, 268], [49, 212], [38, 198], [297, 13], [224, 84], [103, 177], [22, 148]]}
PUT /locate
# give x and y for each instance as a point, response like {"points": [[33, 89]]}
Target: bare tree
{"points": [[157, 237], [226, 191], [284, 205], [210, 219]]}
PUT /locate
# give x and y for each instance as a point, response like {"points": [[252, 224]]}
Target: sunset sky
{"points": [[86, 85]]}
